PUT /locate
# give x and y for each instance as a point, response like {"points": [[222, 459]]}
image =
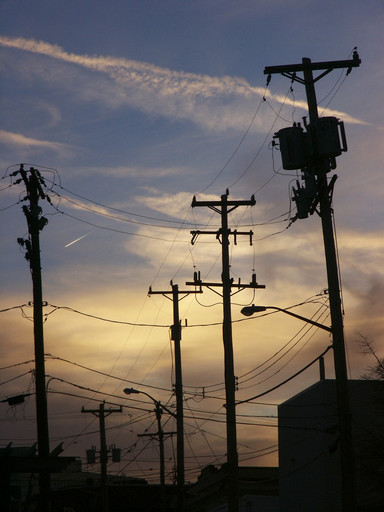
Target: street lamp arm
{"points": [[130, 391], [308, 320], [249, 310]]}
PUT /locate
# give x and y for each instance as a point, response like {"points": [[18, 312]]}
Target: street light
{"points": [[160, 433], [250, 310], [343, 409]]}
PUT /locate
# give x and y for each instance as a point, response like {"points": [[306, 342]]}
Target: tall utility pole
{"points": [[176, 337], [319, 166], [224, 207], [36, 223], [102, 413]]}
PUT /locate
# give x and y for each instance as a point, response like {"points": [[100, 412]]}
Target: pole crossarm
{"points": [[104, 412], [156, 434], [290, 70], [233, 284], [219, 232], [212, 204]]}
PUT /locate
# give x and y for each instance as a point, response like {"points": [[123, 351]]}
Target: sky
{"points": [[129, 109]]}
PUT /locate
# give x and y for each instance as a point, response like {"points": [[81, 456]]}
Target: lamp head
{"points": [[250, 310], [130, 391]]}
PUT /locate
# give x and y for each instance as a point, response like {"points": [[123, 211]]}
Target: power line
{"points": [[286, 380], [107, 374], [262, 145], [118, 209], [238, 145]]}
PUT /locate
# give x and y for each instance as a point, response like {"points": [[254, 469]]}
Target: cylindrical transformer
{"points": [[326, 137], [294, 147]]}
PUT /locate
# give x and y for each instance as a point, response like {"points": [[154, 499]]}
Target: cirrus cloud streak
{"points": [[214, 103]]}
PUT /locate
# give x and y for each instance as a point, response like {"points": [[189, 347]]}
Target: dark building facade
{"points": [[309, 454]]}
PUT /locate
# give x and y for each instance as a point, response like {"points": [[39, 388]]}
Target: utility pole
{"points": [[160, 434], [318, 165], [176, 337], [224, 207], [36, 223], [102, 413]]}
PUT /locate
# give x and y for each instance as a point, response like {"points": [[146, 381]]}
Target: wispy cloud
{"points": [[214, 103], [21, 141]]}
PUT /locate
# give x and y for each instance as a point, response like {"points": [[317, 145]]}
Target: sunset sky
{"points": [[129, 109]]}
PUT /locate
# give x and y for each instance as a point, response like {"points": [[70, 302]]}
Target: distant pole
{"points": [[176, 337], [320, 169], [101, 413], [35, 224], [160, 434], [229, 371], [224, 207]]}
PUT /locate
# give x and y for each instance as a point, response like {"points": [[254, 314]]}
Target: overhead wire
{"points": [[119, 210], [114, 217], [50, 356], [262, 145], [286, 380], [15, 378], [238, 145], [306, 328]]}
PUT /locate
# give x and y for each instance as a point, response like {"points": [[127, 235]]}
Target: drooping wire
{"points": [[118, 210], [286, 380], [238, 145], [263, 143], [50, 356]]}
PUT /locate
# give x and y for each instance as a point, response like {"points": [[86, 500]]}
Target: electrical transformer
{"points": [[324, 138], [327, 131], [294, 147], [91, 455]]}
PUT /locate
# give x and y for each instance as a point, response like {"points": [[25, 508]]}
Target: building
{"points": [[258, 490], [309, 454], [72, 490]]}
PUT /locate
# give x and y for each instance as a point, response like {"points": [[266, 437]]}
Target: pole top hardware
{"points": [[307, 64]]}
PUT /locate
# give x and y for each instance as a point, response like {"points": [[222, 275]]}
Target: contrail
{"points": [[216, 102], [77, 239]]}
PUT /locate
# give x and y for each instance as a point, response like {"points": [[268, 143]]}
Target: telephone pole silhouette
{"points": [[33, 183], [176, 337], [160, 434], [223, 208], [102, 413], [316, 152]]}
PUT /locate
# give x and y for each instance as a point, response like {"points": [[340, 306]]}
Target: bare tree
{"points": [[375, 371]]}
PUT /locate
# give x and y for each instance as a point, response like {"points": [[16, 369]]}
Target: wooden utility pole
{"points": [[320, 166], [176, 337], [224, 207], [160, 434], [102, 413], [35, 224]]}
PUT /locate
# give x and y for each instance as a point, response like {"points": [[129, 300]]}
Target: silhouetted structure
{"points": [[258, 490], [309, 448]]}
